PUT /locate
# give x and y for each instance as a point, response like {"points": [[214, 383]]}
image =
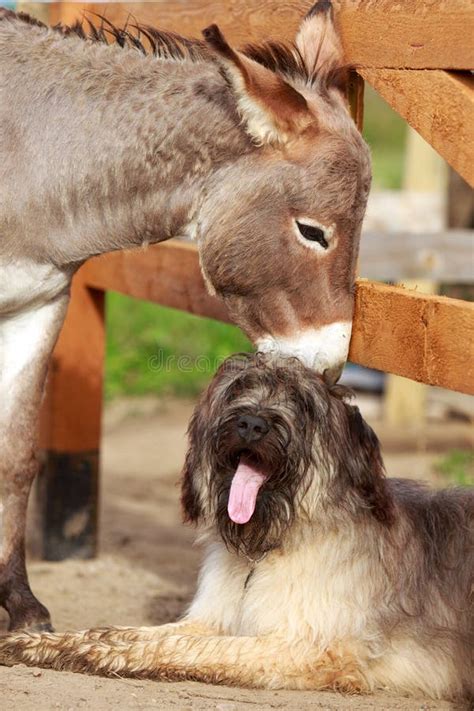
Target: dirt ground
{"points": [[146, 574]]}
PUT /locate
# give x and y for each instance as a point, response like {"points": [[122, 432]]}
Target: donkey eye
{"points": [[313, 234]]}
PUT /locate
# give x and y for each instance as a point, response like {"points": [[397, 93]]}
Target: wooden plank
{"points": [[438, 104], [447, 257], [405, 401], [416, 34], [40, 10], [67, 489], [70, 419], [410, 34], [422, 337], [167, 274], [425, 338]]}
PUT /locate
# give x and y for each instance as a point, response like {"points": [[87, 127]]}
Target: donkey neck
{"points": [[117, 149]]}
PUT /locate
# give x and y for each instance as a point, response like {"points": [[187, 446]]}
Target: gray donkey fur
{"points": [[108, 147]]}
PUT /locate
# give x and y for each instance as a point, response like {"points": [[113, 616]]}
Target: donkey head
{"points": [[280, 226]]}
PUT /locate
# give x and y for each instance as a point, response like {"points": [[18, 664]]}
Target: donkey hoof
{"points": [[36, 627], [31, 616]]}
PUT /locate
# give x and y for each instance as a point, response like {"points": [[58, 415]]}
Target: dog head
{"points": [[270, 444]]}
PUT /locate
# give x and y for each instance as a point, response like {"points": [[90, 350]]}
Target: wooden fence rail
{"points": [[438, 104], [417, 54], [446, 257], [419, 336]]}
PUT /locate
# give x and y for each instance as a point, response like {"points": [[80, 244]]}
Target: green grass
{"points": [[385, 132], [457, 467], [152, 349]]}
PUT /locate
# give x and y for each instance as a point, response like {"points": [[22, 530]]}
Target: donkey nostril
{"points": [[332, 375]]}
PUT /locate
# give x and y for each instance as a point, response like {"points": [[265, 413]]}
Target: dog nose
{"points": [[252, 428]]}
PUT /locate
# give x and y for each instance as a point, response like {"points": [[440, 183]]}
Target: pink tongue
{"points": [[243, 493]]}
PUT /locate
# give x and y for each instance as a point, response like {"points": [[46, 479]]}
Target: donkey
{"points": [[118, 137]]}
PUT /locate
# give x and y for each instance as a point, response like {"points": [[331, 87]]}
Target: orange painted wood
{"points": [[71, 413], [68, 484], [415, 34], [375, 33], [422, 337], [167, 274], [438, 104]]}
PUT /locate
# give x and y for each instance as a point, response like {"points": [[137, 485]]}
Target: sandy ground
{"points": [[146, 574]]}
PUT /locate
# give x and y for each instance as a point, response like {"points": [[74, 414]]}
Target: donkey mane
{"points": [[150, 41], [281, 58]]}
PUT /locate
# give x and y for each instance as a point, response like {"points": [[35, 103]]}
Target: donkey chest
{"points": [[24, 283]]}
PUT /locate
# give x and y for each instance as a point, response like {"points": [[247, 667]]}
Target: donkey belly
{"points": [[31, 314]]}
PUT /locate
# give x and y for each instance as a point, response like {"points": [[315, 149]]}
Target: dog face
{"points": [[270, 444]]}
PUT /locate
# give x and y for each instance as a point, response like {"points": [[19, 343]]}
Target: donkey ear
{"points": [[318, 43], [273, 110]]}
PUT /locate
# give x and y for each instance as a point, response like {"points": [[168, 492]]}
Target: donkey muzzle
{"points": [[323, 349]]}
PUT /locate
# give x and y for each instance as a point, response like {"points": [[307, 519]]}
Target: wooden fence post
{"points": [[67, 487], [406, 401]]}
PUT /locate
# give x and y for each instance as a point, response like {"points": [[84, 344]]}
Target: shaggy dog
{"points": [[320, 573]]}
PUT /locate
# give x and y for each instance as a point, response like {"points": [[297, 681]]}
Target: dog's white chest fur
{"points": [[316, 591]]}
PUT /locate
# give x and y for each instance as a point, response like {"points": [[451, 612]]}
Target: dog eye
{"points": [[313, 233]]}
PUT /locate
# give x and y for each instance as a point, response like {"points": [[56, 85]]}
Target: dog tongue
{"points": [[243, 493]]}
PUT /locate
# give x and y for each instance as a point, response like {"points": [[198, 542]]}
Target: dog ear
{"points": [[195, 461], [192, 469], [363, 464], [190, 503]]}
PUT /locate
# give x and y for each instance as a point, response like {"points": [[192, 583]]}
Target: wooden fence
{"points": [[416, 54]]}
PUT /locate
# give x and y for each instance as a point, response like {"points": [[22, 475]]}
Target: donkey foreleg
{"points": [[258, 662], [26, 342]]}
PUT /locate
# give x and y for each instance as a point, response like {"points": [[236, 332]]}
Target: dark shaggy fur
{"points": [[288, 452]]}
